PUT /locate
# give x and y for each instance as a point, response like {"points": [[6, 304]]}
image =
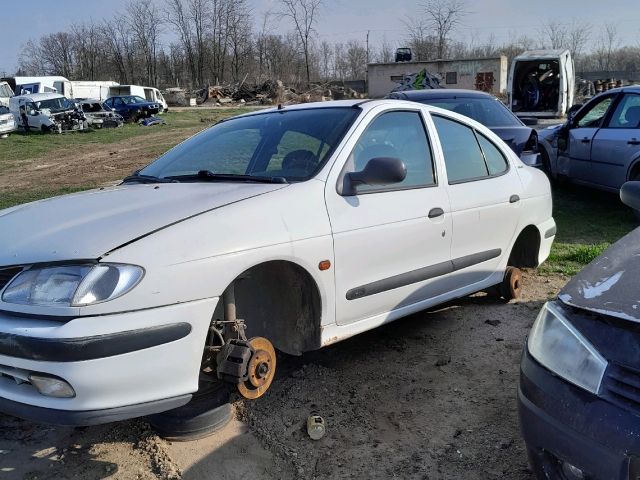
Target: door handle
{"points": [[634, 141], [514, 199], [586, 140], [436, 212]]}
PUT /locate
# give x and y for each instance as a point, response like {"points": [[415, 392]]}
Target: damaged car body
{"points": [[579, 394], [47, 112], [98, 116], [290, 229], [599, 145]]}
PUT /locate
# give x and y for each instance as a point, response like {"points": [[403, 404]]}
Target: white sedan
{"points": [[291, 228]]}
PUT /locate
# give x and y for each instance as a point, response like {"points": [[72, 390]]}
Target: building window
{"points": [[451, 78]]}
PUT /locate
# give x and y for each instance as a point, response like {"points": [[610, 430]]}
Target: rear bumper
{"points": [[531, 159], [547, 230], [563, 423], [121, 365]]}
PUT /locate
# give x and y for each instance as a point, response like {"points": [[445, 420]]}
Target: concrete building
{"points": [[487, 74]]}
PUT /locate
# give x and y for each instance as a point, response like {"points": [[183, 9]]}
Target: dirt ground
{"points": [[432, 396]]}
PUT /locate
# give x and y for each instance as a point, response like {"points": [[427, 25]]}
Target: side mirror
{"points": [[571, 113], [377, 171], [529, 121], [630, 195]]}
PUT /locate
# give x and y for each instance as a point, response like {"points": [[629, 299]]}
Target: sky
{"points": [[343, 20]]}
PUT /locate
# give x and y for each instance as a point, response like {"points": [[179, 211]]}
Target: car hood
{"points": [[609, 285], [89, 224], [515, 137]]}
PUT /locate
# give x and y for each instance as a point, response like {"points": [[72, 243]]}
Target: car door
{"points": [[484, 191], [617, 145], [391, 242], [574, 152]]}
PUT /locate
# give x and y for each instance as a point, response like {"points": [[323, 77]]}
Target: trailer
{"points": [[98, 89]]}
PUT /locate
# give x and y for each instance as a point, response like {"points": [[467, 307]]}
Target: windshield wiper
{"points": [[208, 175], [138, 178]]}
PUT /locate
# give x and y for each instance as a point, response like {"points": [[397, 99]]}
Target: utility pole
{"points": [[368, 31]]}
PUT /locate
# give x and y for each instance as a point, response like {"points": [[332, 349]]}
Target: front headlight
{"points": [[556, 344], [72, 285]]}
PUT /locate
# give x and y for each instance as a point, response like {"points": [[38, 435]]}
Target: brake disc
{"points": [[261, 369]]}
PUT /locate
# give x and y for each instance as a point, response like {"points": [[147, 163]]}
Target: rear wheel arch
{"points": [[526, 248], [634, 170], [279, 300]]}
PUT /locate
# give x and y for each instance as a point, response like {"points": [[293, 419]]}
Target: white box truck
{"points": [[98, 90]]}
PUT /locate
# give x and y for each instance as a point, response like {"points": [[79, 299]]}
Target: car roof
{"points": [[416, 95]]}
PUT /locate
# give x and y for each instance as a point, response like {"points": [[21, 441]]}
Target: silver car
{"points": [[599, 146]]}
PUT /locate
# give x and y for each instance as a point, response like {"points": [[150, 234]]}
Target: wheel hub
{"points": [[261, 369]]}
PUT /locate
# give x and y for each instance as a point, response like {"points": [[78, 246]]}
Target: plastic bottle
{"points": [[316, 427]]}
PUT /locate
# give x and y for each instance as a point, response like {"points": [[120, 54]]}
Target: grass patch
{"points": [[588, 222], [20, 147], [16, 198]]}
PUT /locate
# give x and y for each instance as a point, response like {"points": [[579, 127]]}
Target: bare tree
{"points": [[443, 16], [607, 43], [385, 53], [555, 34], [145, 23], [578, 37], [304, 15], [422, 43]]}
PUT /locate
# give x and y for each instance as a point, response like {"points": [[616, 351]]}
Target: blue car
{"points": [[579, 394], [487, 110], [132, 107]]}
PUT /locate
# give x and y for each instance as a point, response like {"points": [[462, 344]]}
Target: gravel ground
{"points": [[432, 396]]}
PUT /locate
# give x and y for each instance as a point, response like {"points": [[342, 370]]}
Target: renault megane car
{"points": [[290, 229]]}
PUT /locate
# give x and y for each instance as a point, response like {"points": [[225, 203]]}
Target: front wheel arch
{"points": [[279, 300]]}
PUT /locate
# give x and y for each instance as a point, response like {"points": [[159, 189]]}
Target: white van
{"points": [[150, 94], [92, 89], [44, 84], [541, 84]]}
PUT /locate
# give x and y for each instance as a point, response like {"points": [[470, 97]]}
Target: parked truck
{"points": [[541, 84], [98, 90]]}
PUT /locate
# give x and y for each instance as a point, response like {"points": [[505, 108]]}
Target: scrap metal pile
{"points": [[268, 93]]}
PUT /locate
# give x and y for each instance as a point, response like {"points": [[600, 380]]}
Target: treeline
{"points": [[193, 43], [212, 41]]}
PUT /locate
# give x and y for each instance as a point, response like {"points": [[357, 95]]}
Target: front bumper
{"points": [[120, 366], [563, 423]]}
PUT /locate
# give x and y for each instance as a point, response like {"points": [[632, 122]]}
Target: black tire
{"points": [[208, 411]]}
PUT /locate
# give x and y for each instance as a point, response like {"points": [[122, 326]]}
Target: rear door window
{"points": [[462, 154], [496, 163], [627, 113]]}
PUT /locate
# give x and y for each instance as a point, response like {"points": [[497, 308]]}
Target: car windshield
{"points": [[91, 107], [488, 111], [59, 104], [133, 99], [285, 144]]}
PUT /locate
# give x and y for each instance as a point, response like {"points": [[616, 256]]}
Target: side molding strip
{"points": [[422, 274]]}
